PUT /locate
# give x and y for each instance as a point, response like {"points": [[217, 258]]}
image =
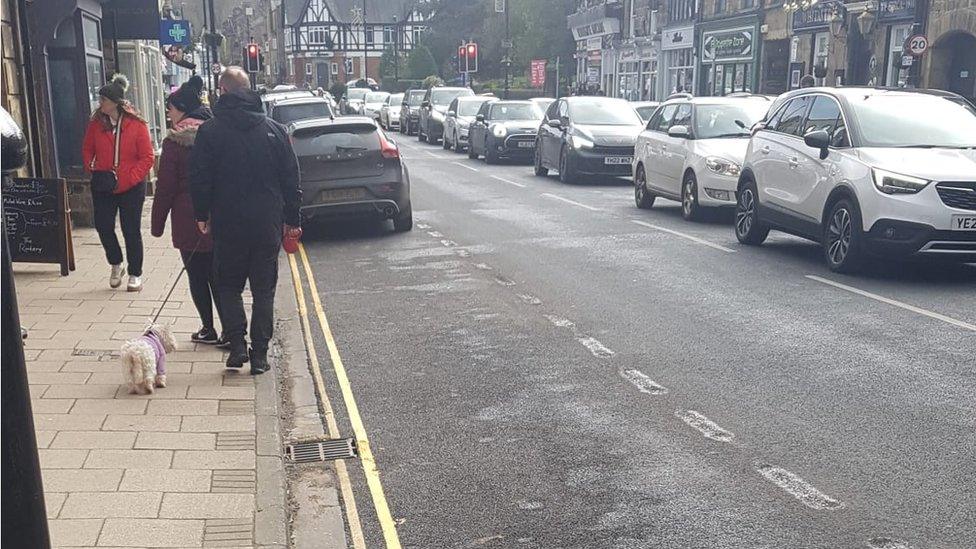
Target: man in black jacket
{"points": [[244, 184]]}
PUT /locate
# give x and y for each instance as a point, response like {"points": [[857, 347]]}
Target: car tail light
{"points": [[388, 149]]}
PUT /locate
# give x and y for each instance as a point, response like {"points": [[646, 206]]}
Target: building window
{"points": [[317, 35], [370, 37], [308, 68], [748, 4], [680, 10], [681, 69], [895, 75], [720, 7], [388, 35], [335, 69], [417, 32]]}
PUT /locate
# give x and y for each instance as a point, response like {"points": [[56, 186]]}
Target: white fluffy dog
{"points": [[144, 359]]}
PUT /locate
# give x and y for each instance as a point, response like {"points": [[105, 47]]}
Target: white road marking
{"points": [[465, 166], [509, 181], [504, 281], [423, 226], [887, 543], [573, 202], [435, 234], [705, 426], [530, 299], [643, 383], [449, 243], [598, 349], [683, 235], [463, 253], [483, 266], [434, 155], [906, 306], [799, 488], [560, 322]]}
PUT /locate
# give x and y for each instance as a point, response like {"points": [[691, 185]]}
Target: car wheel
{"points": [[566, 172], [403, 222], [748, 227], [690, 209], [642, 196], [842, 240], [540, 170]]}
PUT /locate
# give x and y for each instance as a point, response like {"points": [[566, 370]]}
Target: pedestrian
{"points": [[172, 199], [808, 81], [119, 154], [244, 185]]}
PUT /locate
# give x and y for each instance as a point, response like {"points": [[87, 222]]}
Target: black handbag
{"points": [[106, 181]]}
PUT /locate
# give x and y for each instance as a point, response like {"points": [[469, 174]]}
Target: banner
{"points": [[537, 73]]}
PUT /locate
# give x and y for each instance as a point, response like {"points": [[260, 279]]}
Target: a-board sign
{"points": [[35, 214]]}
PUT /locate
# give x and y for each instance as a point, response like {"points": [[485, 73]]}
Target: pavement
{"points": [[197, 464], [544, 365]]}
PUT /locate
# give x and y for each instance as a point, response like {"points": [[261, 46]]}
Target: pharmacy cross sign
{"points": [[174, 32]]}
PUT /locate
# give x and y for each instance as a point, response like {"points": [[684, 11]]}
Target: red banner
{"points": [[537, 73]]}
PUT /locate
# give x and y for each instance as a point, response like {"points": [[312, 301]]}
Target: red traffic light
{"points": [[252, 50], [472, 50]]}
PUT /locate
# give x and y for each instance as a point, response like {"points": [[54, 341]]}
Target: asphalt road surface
{"points": [[541, 365]]}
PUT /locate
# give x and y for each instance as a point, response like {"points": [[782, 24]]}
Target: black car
{"points": [[587, 135], [433, 111], [351, 169], [287, 111], [504, 129], [410, 111]]}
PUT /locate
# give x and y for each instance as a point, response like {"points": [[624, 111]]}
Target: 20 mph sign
{"points": [[917, 44]]}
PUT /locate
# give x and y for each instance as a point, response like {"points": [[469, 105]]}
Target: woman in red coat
{"points": [[186, 114], [136, 157]]}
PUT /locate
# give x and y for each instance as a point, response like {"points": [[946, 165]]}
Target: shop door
{"points": [[962, 66]]}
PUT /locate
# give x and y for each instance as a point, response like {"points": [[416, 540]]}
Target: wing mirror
{"points": [[425, 104], [451, 114], [480, 118], [679, 131], [819, 139], [556, 123]]}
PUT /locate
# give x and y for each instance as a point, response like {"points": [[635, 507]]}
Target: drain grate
{"points": [[323, 450]]}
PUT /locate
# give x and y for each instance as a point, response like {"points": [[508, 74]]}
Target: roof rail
{"points": [[679, 95]]}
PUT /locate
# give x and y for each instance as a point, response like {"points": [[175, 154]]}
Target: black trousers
{"points": [[203, 284], [240, 259], [128, 206]]}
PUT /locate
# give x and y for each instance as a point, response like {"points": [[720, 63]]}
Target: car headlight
{"points": [[580, 142], [499, 130], [893, 183], [722, 166]]}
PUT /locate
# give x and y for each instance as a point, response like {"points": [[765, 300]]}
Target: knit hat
{"points": [[187, 98], [115, 89]]}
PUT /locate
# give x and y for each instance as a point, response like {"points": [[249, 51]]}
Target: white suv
{"points": [[692, 151], [864, 171]]}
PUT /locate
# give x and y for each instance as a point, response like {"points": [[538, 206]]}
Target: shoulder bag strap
{"points": [[118, 138]]}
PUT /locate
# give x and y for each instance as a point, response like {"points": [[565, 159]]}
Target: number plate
{"points": [[964, 223], [618, 160], [342, 195], [526, 144]]}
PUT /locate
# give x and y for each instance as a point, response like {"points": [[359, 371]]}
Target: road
{"points": [[543, 365]]}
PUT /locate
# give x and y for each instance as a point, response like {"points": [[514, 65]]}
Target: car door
{"points": [[546, 132], [674, 150], [556, 136], [478, 129], [425, 107], [654, 168], [780, 149], [815, 177], [450, 121]]}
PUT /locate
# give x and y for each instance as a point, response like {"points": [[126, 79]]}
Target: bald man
{"points": [[245, 190]]}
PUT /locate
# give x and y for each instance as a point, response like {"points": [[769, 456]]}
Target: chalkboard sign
{"points": [[35, 214]]}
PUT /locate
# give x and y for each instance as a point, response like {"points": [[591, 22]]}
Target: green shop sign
{"points": [[727, 45]]}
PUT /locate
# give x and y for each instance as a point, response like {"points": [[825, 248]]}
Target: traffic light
{"points": [[472, 57], [252, 58], [462, 59]]}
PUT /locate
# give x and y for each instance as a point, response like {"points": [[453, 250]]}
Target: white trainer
{"points": [[135, 284], [115, 279]]}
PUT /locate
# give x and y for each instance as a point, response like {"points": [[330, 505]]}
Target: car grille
{"points": [[513, 140], [958, 194]]}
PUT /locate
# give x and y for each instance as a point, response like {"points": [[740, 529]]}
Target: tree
{"points": [[421, 63], [431, 81], [388, 65]]}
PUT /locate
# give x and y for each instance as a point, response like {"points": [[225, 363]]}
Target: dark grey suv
{"points": [[351, 169], [433, 111]]}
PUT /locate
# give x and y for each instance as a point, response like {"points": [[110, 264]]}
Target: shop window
{"points": [[720, 7], [93, 38], [895, 75]]}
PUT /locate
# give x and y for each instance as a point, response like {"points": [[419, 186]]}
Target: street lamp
{"points": [[865, 22]]}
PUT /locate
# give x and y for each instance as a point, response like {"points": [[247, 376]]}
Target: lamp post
{"points": [[508, 49], [396, 50]]}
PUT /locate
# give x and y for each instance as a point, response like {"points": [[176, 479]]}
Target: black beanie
{"points": [[115, 89], [187, 98]]}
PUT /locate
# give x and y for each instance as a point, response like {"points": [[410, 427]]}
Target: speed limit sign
{"points": [[917, 44]]}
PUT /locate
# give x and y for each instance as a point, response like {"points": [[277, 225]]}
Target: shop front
{"points": [[677, 65], [729, 57], [636, 73], [813, 45], [950, 62]]}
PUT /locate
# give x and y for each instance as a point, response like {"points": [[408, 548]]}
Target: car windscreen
{"points": [[469, 108], [443, 98], [357, 93], [728, 120], [376, 97], [605, 112], [395, 100], [914, 120], [515, 111], [337, 139], [301, 111], [415, 98], [646, 112]]}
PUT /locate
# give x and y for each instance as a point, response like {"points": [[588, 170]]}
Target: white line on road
{"points": [[598, 349], [465, 166], [504, 281], [449, 243], [573, 202], [510, 182], [483, 266], [435, 234], [705, 426], [906, 306], [643, 383], [799, 488], [887, 543], [530, 299], [683, 235], [560, 322]]}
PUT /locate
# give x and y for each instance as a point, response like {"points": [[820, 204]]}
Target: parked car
{"points": [[373, 102], [587, 135], [287, 111], [410, 111], [269, 97], [645, 109], [351, 169], [504, 129], [692, 151], [865, 172], [433, 111], [460, 116], [542, 102], [353, 100], [390, 112]]}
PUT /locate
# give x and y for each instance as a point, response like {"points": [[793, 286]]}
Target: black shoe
{"points": [[259, 362], [222, 343], [238, 356], [205, 335]]}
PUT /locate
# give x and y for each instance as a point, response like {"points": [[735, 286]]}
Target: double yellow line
{"points": [[370, 470]]}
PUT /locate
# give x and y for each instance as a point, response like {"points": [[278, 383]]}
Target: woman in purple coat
{"points": [[172, 199]]}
